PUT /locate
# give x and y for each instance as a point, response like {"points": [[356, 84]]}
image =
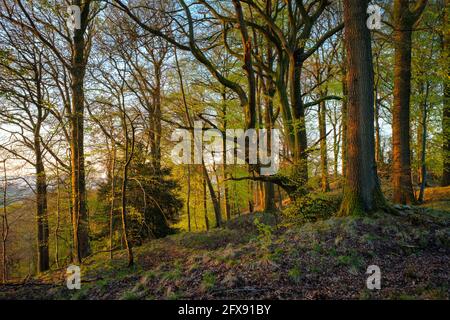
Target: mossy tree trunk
{"points": [[362, 193]]}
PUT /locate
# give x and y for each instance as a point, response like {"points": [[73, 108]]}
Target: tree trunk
{"points": [[402, 184], [41, 210], [128, 246], [113, 198], [188, 199], [5, 225], [226, 192], [214, 200], [446, 99], [378, 155], [128, 158], [344, 117], [250, 191], [404, 20], [325, 186], [422, 171], [336, 144], [58, 214], [79, 209], [205, 204], [362, 193], [226, 195], [446, 133], [269, 91], [206, 178], [250, 107], [300, 137], [216, 204], [156, 147]]}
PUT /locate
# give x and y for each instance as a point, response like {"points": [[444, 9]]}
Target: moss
{"points": [[208, 281], [352, 205], [130, 295], [295, 274], [82, 293], [353, 260]]}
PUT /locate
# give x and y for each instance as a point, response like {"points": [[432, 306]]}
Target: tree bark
{"points": [[325, 186], [402, 184], [188, 199], [41, 210], [226, 195], [205, 204], [362, 193], [404, 20], [299, 126], [77, 72], [5, 225], [58, 214], [156, 119], [344, 117], [128, 158], [113, 197], [250, 108], [446, 99], [423, 144], [214, 200]]}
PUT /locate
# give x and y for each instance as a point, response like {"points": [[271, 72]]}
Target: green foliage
{"points": [[264, 236], [208, 281], [152, 203], [311, 208], [353, 260]]}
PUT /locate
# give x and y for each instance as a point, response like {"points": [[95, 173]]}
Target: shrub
{"points": [[312, 208], [264, 235]]}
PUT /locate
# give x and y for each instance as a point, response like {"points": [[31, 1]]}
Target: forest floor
{"points": [[325, 259]]}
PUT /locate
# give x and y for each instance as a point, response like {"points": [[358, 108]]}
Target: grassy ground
{"points": [[255, 258]]}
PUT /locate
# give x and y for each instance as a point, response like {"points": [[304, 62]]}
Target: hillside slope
{"points": [[255, 260]]}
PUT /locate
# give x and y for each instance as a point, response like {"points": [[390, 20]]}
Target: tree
{"points": [[289, 38], [446, 100], [71, 49], [405, 17], [5, 224], [362, 193], [23, 117]]}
